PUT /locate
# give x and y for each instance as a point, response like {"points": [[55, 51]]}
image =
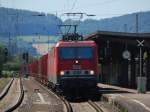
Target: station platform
{"points": [[127, 100]]}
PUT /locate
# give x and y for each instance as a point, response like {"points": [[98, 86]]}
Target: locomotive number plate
{"points": [[76, 67], [77, 72]]}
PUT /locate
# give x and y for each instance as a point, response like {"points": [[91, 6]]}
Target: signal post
{"points": [[141, 79]]}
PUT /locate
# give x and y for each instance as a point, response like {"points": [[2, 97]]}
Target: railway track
{"points": [[95, 106], [6, 89], [66, 103], [69, 105], [87, 106], [14, 96]]}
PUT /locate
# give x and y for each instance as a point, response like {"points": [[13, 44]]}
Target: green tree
{"points": [[13, 63], [2, 57]]}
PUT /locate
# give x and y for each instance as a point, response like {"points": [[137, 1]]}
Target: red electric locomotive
{"points": [[73, 64]]}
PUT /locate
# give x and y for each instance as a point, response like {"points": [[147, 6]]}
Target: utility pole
{"points": [[0, 3], [141, 61], [141, 79], [48, 43], [9, 45], [17, 32], [137, 23], [125, 28], [141, 82], [140, 44]]}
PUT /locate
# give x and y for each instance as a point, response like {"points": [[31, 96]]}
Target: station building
{"points": [[119, 57]]}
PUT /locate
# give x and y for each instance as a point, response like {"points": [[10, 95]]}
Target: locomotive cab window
{"points": [[76, 53]]}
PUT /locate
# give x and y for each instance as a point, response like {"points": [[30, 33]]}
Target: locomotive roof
{"points": [[75, 43]]}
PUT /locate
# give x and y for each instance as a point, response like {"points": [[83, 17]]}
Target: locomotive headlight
{"points": [[92, 72], [62, 72]]}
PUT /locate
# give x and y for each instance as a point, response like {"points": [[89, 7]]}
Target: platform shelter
{"points": [[119, 57]]}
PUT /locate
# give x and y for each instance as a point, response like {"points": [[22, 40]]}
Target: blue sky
{"points": [[101, 8]]}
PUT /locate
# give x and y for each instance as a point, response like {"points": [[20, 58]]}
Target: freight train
{"points": [[69, 65]]}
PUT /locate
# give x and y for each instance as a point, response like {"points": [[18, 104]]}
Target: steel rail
{"points": [[95, 106], [10, 109], [6, 89]]}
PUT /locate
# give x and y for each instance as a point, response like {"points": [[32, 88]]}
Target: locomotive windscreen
{"points": [[76, 53]]}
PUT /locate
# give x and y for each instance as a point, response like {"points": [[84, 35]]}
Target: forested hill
{"points": [[23, 22]]}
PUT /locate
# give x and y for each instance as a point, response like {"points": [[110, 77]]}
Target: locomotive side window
{"points": [[76, 53]]}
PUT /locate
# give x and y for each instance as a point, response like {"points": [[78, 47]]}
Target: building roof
{"points": [[121, 35]]}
